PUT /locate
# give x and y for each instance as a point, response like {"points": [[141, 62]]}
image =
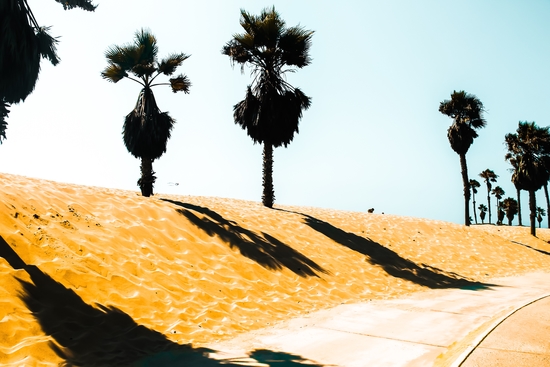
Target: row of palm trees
{"points": [[270, 111], [528, 152]]}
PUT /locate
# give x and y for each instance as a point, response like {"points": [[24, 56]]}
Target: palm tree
{"points": [[467, 114], [489, 176], [530, 146], [513, 161], [22, 44], [499, 193], [272, 108], [540, 213], [474, 185], [482, 210], [510, 206], [146, 130]]}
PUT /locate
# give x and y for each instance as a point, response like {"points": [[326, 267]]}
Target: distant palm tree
{"points": [[500, 213], [499, 193], [510, 206], [529, 146], [272, 108], [540, 213], [482, 210], [474, 185], [489, 176], [22, 44], [146, 130], [513, 160], [467, 114]]}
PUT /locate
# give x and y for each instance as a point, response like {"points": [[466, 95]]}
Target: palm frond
{"points": [[113, 73], [169, 65], [144, 70], [126, 57], [46, 45], [3, 116], [82, 4], [181, 83], [146, 43], [295, 44]]}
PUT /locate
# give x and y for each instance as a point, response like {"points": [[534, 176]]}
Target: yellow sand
{"points": [[102, 276]]}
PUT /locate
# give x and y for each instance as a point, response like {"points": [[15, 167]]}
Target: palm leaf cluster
{"points": [[140, 59], [272, 108], [22, 44]]}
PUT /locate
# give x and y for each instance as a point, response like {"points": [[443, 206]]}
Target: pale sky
{"points": [[373, 136]]}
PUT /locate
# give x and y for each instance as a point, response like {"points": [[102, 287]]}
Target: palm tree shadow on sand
{"points": [[264, 249], [88, 336], [390, 261]]}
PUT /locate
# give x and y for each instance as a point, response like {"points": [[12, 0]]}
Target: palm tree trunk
{"points": [[466, 184], [547, 203], [268, 196], [489, 202], [474, 206], [519, 206], [147, 177], [533, 209]]}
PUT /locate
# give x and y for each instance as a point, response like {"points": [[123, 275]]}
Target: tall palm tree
{"points": [[510, 206], [530, 146], [146, 130], [272, 108], [467, 114], [489, 176], [474, 185], [498, 192], [540, 213], [22, 44], [482, 210]]}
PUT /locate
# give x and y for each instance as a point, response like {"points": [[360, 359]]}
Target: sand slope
{"points": [[94, 276]]}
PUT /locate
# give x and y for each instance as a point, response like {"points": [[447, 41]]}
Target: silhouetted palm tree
{"points": [[467, 114], [482, 210], [489, 176], [474, 185], [513, 161], [510, 206], [529, 146], [146, 130], [499, 193], [540, 213], [272, 108], [22, 44]]}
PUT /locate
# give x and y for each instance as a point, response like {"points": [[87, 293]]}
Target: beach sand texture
{"points": [[95, 276]]}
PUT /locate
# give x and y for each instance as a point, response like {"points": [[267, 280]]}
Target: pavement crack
{"points": [[384, 337]]}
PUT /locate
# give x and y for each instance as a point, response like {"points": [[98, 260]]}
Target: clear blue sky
{"points": [[373, 136]]}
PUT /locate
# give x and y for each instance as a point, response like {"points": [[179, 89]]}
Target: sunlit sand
{"points": [[104, 277]]}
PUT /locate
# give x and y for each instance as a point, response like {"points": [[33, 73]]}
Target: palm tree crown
{"points": [[146, 129], [528, 150], [22, 45], [467, 114], [272, 108]]}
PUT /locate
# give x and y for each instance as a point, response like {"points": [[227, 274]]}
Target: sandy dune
{"points": [[93, 276]]}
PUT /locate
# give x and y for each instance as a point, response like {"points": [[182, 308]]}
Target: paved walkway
{"points": [[433, 328]]}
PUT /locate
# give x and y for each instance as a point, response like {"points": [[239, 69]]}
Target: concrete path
{"points": [[433, 328], [523, 339]]}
